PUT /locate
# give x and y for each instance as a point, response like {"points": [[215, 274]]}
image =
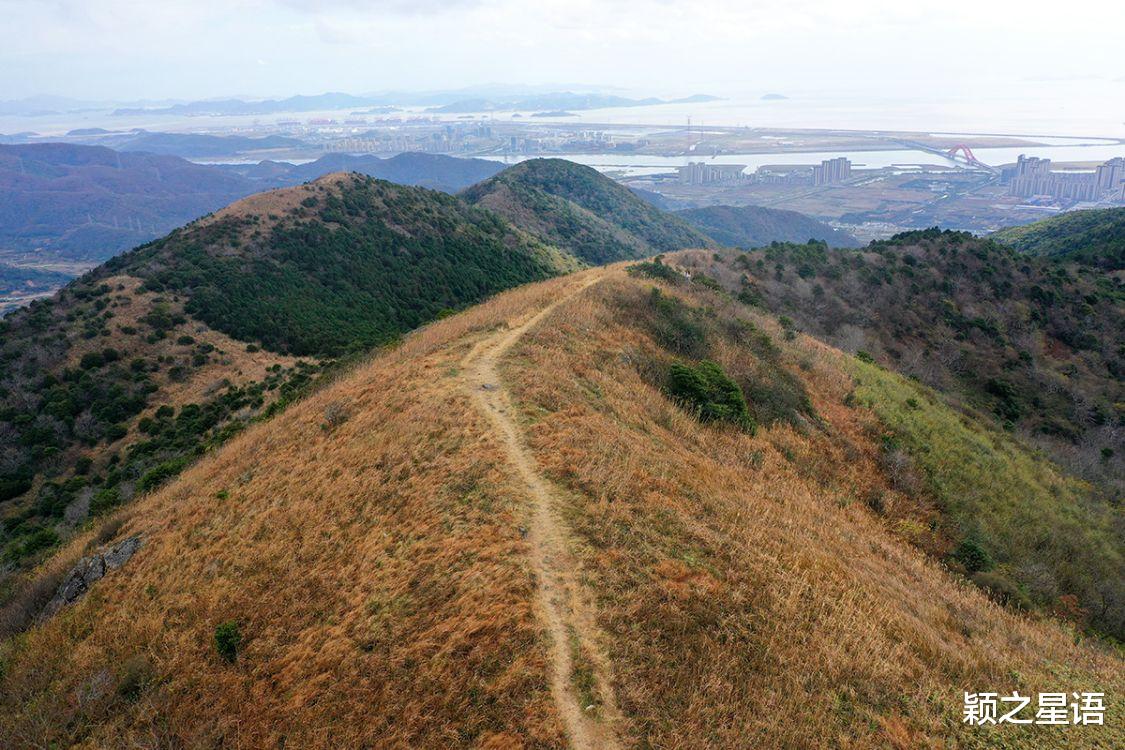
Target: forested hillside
{"points": [[128, 374], [578, 209], [1096, 237], [344, 263], [754, 226], [1034, 342]]}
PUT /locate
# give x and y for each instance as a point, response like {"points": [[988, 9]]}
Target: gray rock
{"points": [[89, 570]]}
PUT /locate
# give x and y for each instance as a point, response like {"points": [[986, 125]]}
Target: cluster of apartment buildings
{"points": [[828, 172], [832, 171], [1032, 176], [702, 173]]}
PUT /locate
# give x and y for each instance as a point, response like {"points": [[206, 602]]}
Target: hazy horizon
{"points": [[122, 50]]}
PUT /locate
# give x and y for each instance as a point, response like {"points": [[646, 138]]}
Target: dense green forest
{"points": [[1096, 237], [357, 264], [753, 226], [582, 211]]}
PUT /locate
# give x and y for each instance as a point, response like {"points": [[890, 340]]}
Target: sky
{"points": [[159, 49]]}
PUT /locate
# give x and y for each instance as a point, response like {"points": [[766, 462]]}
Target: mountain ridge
{"points": [[576, 207], [398, 531]]}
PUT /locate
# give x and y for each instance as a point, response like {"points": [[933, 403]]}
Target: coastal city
{"points": [[871, 184]]}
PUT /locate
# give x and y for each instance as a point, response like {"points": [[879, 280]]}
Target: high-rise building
{"points": [[832, 171], [702, 173], [1033, 176], [1110, 175]]}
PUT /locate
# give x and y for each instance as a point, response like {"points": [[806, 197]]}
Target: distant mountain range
{"points": [[448, 174], [561, 101], [439, 102], [88, 203], [331, 100], [187, 145]]}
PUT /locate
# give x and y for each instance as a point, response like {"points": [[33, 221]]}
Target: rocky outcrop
{"points": [[88, 570]]}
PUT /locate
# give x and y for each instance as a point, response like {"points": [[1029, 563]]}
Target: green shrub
{"points": [[973, 555], [103, 500], [161, 473], [655, 270], [677, 327], [710, 392], [227, 640]]}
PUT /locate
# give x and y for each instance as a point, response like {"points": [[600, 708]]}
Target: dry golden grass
{"points": [[751, 601], [269, 206], [376, 568], [382, 585]]}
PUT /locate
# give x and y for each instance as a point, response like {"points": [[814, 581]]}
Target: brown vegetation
{"points": [[384, 595]]}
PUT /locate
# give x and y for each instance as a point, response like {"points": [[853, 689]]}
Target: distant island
{"points": [[560, 101], [554, 113], [774, 97], [448, 102]]}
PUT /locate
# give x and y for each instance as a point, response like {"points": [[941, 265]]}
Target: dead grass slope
{"points": [[368, 542], [750, 597], [375, 567]]}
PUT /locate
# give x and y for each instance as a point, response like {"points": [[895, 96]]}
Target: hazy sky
{"points": [[125, 49]]}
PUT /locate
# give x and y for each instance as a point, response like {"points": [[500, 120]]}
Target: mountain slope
{"points": [[449, 174], [582, 211], [128, 374], [1035, 342], [1096, 237], [88, 203], [755, 226], [380, 581], [351, 262]]}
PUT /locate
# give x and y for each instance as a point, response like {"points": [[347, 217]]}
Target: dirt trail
{"points": [[562, 606]]}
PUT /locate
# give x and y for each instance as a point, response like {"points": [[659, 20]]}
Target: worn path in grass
{"points": [[580, 670]]}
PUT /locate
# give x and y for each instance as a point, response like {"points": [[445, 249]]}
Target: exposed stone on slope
{"points": [[87, 571]]}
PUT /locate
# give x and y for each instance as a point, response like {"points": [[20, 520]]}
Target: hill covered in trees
{"points": [[129, 373], [1096, 237], [754, 226], [578, 209], [1037, 343], [344, 263]]}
